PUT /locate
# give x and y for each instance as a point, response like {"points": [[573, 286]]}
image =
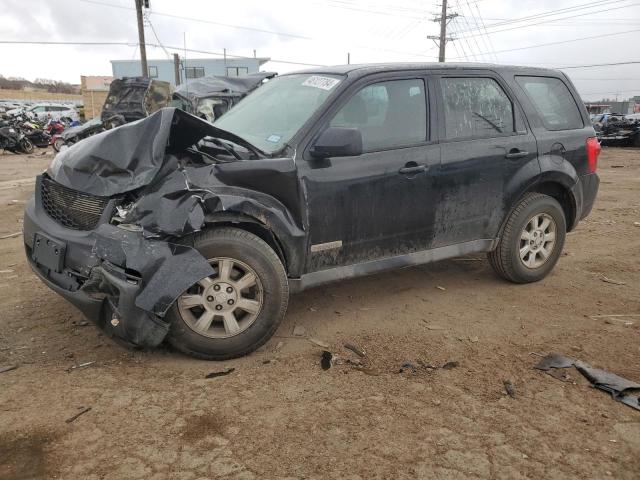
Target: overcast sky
{"points": [[324, 31]]}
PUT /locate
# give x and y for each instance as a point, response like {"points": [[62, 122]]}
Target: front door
{"points": [[381, 203]]}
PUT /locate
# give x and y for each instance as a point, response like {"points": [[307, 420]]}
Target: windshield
{"points": [[271, 115]]}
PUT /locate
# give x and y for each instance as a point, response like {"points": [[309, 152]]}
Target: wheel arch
{"points": [[258, 228], [559, 186]]}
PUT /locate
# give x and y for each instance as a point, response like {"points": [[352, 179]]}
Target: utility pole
{"points": [[143, 48], [442, 39], [176, 68]]}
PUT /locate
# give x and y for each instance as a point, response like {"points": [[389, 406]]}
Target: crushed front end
{"points": [[119, 279], [110, 224]]}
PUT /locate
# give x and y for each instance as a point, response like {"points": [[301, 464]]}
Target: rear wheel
{"points": [[57, 144], [237, 309], [532, 240]]}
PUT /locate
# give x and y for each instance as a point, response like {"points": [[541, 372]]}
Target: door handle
{"points": [[413, 169], [516, 153]]}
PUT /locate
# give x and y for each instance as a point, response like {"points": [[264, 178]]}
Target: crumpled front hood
{"points": [[131, 156]]}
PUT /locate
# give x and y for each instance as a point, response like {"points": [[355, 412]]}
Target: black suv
{"points": [[172, 227]]}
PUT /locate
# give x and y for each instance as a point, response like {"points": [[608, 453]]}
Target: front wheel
{"points": [[532, 240], [26, 146], [239, 307]]}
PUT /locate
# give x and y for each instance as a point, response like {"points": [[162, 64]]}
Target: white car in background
{"points": [[53, 112], [47, 111]]}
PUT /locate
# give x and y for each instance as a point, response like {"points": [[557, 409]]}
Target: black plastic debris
{"points": [[221, 373], [82, 411], [450, 365], [407, 366], [555, 360], [325, 361], [622, 390], [8, 368]]}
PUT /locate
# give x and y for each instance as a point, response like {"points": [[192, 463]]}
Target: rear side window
{"points": [[553, 101], [388, 114], [476, 108]]}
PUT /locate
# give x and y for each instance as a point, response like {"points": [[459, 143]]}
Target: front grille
{"points": [[70, 208]]}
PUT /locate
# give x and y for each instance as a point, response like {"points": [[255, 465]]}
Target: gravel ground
{"points": [[279, 415]]}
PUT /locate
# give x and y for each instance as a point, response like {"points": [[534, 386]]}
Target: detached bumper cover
{"points": [[123, 282]]}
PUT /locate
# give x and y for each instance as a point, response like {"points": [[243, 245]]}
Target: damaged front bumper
{"points": [[123, 282]]}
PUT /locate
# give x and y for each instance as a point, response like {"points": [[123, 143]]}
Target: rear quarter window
{"points": [[553, 101]]}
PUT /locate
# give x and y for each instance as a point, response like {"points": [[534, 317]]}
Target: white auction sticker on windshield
{"points": [[325, 83]]}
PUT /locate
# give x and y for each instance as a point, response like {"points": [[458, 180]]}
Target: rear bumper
{"points": [[589, 184], [118, 279]]}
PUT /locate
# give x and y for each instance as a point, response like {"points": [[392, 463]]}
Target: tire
{"points": [[247, 252], [57, 144], [26, 146], [540, 254]]}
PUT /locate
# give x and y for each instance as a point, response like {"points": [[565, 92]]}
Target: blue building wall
{"points": [[208, 66]]}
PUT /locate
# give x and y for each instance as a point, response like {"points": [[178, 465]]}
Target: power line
{"points": [[549, 21], [155, 45], [600, 65], [254, 29], [559, 11], [567, 41]]}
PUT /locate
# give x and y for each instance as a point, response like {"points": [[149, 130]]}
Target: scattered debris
{"points": [[450, 365], [221, 373], [408, 366], [637, 224], [440, 288], [614, 282], [432, 327], [326, 360], [554, 360], [510, 388], [319, 343], [82, 411], [622, 390], [616, 321], [474, 339], [80, 324], [617, 166], [11, 235], [77, 367], [6, 271], [313, 309], [355, 349], [299, 331], [8, 368]]}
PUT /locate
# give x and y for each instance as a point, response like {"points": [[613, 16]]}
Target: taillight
{"points": [[593, 150]]}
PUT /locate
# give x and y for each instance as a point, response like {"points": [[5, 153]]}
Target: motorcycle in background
{"points": [[14, 140]]}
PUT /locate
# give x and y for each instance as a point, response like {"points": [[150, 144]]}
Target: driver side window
{"points": [[389, 114]]}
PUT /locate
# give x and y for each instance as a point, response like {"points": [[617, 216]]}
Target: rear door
{"points": [[485, 143], [381, 203]]}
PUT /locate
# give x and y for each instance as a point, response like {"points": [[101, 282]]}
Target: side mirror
{"points": [[338, 142]]}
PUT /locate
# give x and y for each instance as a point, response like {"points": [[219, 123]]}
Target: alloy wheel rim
{"points": [[225, 304], [537, 240]]}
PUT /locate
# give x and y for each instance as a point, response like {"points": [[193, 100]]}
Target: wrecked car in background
{"points": [[133, 98], [211, 97], [173, 227], [616, 130]]}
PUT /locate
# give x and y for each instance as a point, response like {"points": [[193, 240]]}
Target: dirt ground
{"points": [[154, 415]]}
